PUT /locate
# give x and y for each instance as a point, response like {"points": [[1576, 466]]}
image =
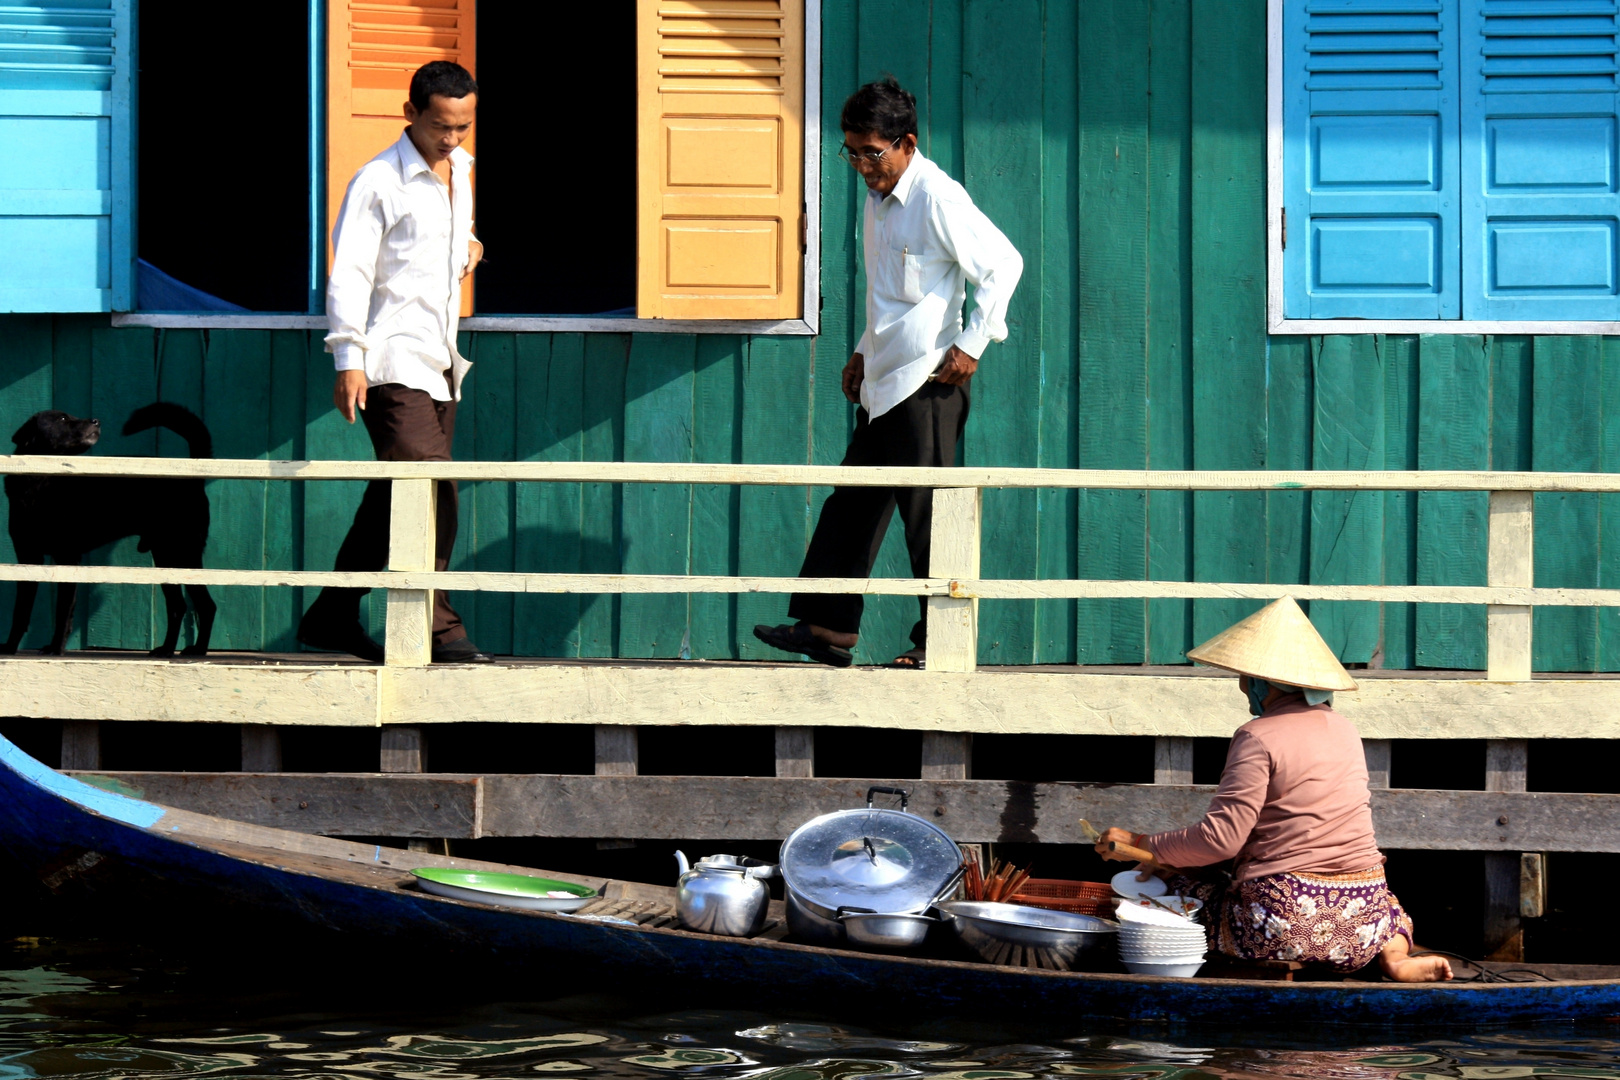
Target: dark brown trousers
{"points": [[404, 425]]}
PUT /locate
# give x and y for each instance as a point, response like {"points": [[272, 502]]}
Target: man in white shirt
{"points": [[923, 239], [402, 245]]}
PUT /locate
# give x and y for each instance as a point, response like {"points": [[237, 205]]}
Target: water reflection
{"points": [[88, 1015]]}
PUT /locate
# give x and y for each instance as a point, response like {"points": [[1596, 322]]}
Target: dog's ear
{"points": [[23, 437]]}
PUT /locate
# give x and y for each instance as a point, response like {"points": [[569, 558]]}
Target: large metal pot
{"points": [[877, 859]]}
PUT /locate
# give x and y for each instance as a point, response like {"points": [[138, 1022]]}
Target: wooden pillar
{"points": [[618, 753], [796, 751], [404, 750], [411, 542], [953, 621], [1506, 763], [946, 755], [1511, 562], [1377, 753], [1172, 760], [261, 748], [81, 744]]}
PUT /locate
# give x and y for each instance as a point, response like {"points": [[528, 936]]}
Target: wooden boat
{"points": [[110, 846]]}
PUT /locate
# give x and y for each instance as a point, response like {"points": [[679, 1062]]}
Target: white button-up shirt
{"points": [[393, 300], [921, 243]]}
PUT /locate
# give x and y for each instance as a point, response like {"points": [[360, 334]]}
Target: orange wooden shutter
{"points": [[374, 48], [721, 138]]}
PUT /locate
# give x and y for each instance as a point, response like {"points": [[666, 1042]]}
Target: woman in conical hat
{"points": [[1292, 814]]}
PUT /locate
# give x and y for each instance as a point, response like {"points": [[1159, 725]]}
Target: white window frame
{"points": [[1276, 321], [808, 325]]}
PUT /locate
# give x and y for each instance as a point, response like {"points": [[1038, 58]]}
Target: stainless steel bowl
{"points": [[1029, 936], [885, 929]]}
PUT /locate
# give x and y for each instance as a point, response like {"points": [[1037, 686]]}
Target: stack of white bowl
{"points": [[1153, 941]]}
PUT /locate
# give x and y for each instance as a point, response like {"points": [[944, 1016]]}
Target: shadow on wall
{"points": [[528, 624]]}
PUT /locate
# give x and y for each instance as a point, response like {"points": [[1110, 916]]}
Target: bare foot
{"points": [[1399, 964], [833, 637]]}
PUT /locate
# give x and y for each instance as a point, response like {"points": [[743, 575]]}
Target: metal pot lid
{"points": [[879, 859]]}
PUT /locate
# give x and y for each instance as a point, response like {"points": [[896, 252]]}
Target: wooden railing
{"points": [[947, 703]]}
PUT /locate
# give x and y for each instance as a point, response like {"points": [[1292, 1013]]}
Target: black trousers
{"points": [[404, 425], [922, 430]]}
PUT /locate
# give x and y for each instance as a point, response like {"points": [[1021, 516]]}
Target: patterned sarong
{"points": [[1341, 920]]}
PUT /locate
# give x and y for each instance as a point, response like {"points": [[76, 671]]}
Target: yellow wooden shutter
{"points": [[374, 47], [721, 138]]}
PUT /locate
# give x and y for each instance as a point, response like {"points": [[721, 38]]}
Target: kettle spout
{"points": [[680, 861]]}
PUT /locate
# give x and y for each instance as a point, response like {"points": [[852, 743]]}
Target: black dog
{"points": [[64, 517]]}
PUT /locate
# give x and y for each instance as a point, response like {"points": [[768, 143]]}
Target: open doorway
{"points": [[222, 128], [556, 168]]}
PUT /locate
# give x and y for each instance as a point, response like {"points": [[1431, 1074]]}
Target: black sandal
{"points": [[797, 638], [911, 660]]}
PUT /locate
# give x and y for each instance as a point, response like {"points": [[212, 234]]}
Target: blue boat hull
{"points": [[109, 846]]}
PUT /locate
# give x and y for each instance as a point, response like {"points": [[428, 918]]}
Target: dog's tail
{"points": [[178, 419]]}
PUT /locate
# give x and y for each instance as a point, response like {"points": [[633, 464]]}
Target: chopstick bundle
{"points": [[999, 886]]}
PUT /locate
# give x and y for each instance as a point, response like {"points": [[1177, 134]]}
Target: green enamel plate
{"points": [[505, 890]]}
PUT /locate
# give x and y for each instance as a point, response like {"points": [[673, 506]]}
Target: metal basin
{"points": [[886, 930], [1031, 937]]}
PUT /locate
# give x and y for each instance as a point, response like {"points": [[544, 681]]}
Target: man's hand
{"points": [[475, 255], [349, 393], [957, 368], [854, 375]]}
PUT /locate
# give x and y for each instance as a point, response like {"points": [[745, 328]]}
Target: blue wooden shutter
{"points": [[1370, 138], [66, 221], [1541, 205]]}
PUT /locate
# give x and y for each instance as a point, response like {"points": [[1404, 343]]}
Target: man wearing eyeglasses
{"points": [[923, 239]]}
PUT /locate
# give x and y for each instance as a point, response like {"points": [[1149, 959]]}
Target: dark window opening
{"points": [[556, 173], [222, 129]]}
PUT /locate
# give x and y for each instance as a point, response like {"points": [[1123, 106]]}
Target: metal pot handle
{"points": [[846, 909], [905, 795]]}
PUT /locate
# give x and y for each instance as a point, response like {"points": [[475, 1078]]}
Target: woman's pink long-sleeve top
{"points": [[1293, 797]]}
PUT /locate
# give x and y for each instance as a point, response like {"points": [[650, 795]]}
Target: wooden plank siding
{"points": [[1121, 144]]}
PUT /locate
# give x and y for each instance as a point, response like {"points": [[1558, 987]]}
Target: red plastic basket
{"points": [[1081, 897]]}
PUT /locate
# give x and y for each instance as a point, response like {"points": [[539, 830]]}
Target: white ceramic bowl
{"points": [[1173, 971], [1159, 956], [1161, 941]]}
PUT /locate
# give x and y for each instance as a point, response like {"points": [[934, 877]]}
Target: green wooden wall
{"points": [[1120, 144]]}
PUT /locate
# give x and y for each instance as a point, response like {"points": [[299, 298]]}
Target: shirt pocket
{"points": [[911, 277]]}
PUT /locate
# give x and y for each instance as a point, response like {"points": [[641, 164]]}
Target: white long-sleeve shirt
{"points": [[921, 243], [393, 300]]}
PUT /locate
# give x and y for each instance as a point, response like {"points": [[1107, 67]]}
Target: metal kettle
{"points": [[723, 894]]}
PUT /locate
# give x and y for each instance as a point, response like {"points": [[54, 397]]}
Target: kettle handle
{"points": [[905, 795]]}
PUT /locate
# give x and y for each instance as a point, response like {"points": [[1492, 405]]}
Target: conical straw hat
{"points": [[1278, 644]]}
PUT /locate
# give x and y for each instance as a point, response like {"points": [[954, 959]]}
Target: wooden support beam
{"points": [[1511, 561], [1532, 885], [411, 546], [618, 753], [947, 755], [1172, 760], [1377, 752], [768, 808], [796, 751], [81, 744], [1506, 769], [261, 748], [953, 623], [404, 750]]}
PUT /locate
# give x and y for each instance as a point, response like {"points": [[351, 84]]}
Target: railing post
{"points": [[261, 748], [81, 744], [411, 541], [1377, 753], [618, 753], [1511, 562], [953, 624]]}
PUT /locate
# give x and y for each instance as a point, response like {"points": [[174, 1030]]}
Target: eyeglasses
{"points": [[871, 158]]}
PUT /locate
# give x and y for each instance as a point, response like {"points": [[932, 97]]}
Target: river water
{"points": [[109, 1010]]}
